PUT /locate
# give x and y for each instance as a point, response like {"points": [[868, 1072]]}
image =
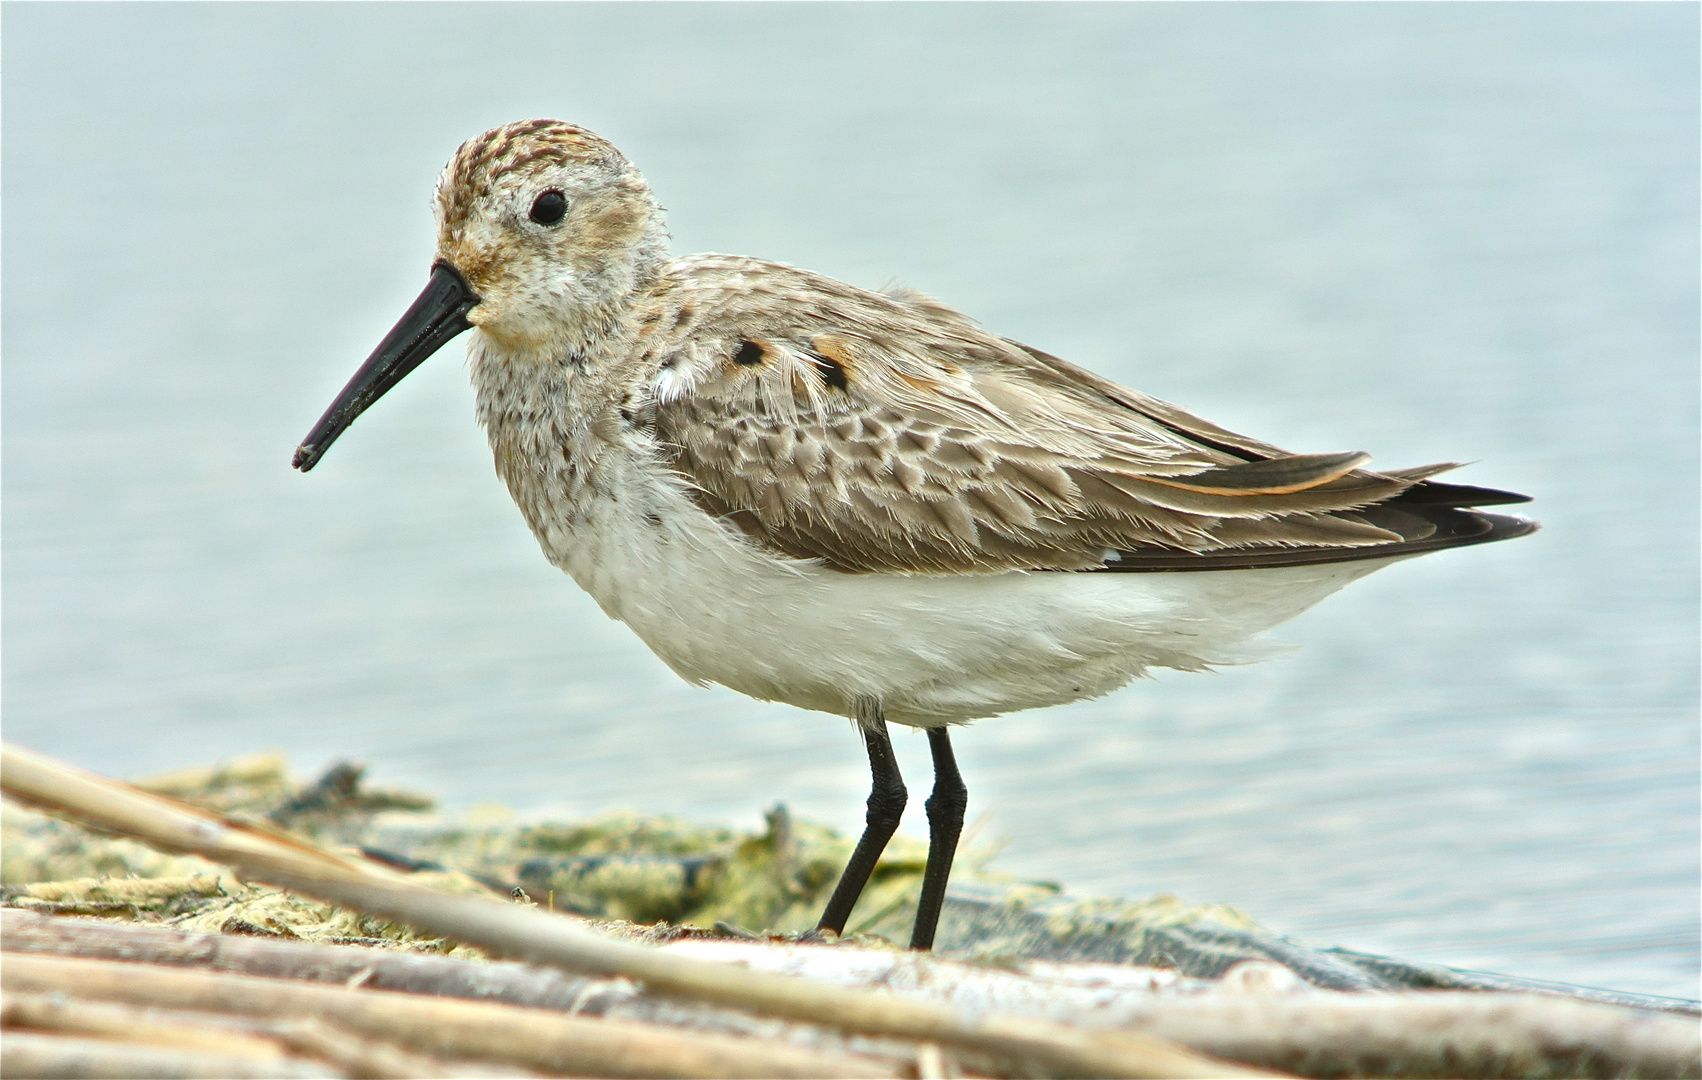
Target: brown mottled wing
{"points": [[887, 433]]}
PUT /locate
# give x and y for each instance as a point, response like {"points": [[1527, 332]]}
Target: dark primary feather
{"points": [[1422, 528]]}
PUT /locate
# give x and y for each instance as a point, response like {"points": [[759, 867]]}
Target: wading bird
{"points": [[860, 502]]}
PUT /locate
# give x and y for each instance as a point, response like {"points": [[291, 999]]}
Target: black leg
{"points": [[945, 823], [886, 805]]}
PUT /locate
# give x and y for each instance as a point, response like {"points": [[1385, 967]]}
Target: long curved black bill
{"points": [[437, 315]]}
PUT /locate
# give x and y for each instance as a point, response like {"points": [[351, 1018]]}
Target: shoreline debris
{"points": [[418, 919]]}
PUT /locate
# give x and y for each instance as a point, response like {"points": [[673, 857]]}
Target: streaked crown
{"points": [[521, 145]]}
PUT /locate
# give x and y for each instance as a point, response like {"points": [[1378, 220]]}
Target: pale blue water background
{"points": [[1429, 232]]}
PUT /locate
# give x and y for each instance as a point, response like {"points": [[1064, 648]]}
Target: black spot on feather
{"points": [[831, 373], [749, 353]]}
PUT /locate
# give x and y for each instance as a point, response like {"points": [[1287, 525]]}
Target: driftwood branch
{"points": [[100, 1020], [1028, 1046], [375, 1059], [233, 1035], [1433, 1033], [384, 969], [341, 965], [533, 1038], [27, 1053], [1314, 1033]]}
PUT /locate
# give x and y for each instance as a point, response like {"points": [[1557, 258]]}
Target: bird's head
{"points": [[544, 232], [550, 226]]}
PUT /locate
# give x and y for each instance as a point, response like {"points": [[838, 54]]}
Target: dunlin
{"points": [[860, 502]]}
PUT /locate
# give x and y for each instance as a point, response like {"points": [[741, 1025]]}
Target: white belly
{"points": [[930, 648]]}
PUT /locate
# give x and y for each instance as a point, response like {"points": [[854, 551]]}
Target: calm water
{"points": [[1438, 232]]}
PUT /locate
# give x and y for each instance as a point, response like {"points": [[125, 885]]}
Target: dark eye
{"points": [[548, 208]]}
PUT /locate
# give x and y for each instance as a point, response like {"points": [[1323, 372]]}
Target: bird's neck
{"points": [[571, 447], [554, 422]]}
